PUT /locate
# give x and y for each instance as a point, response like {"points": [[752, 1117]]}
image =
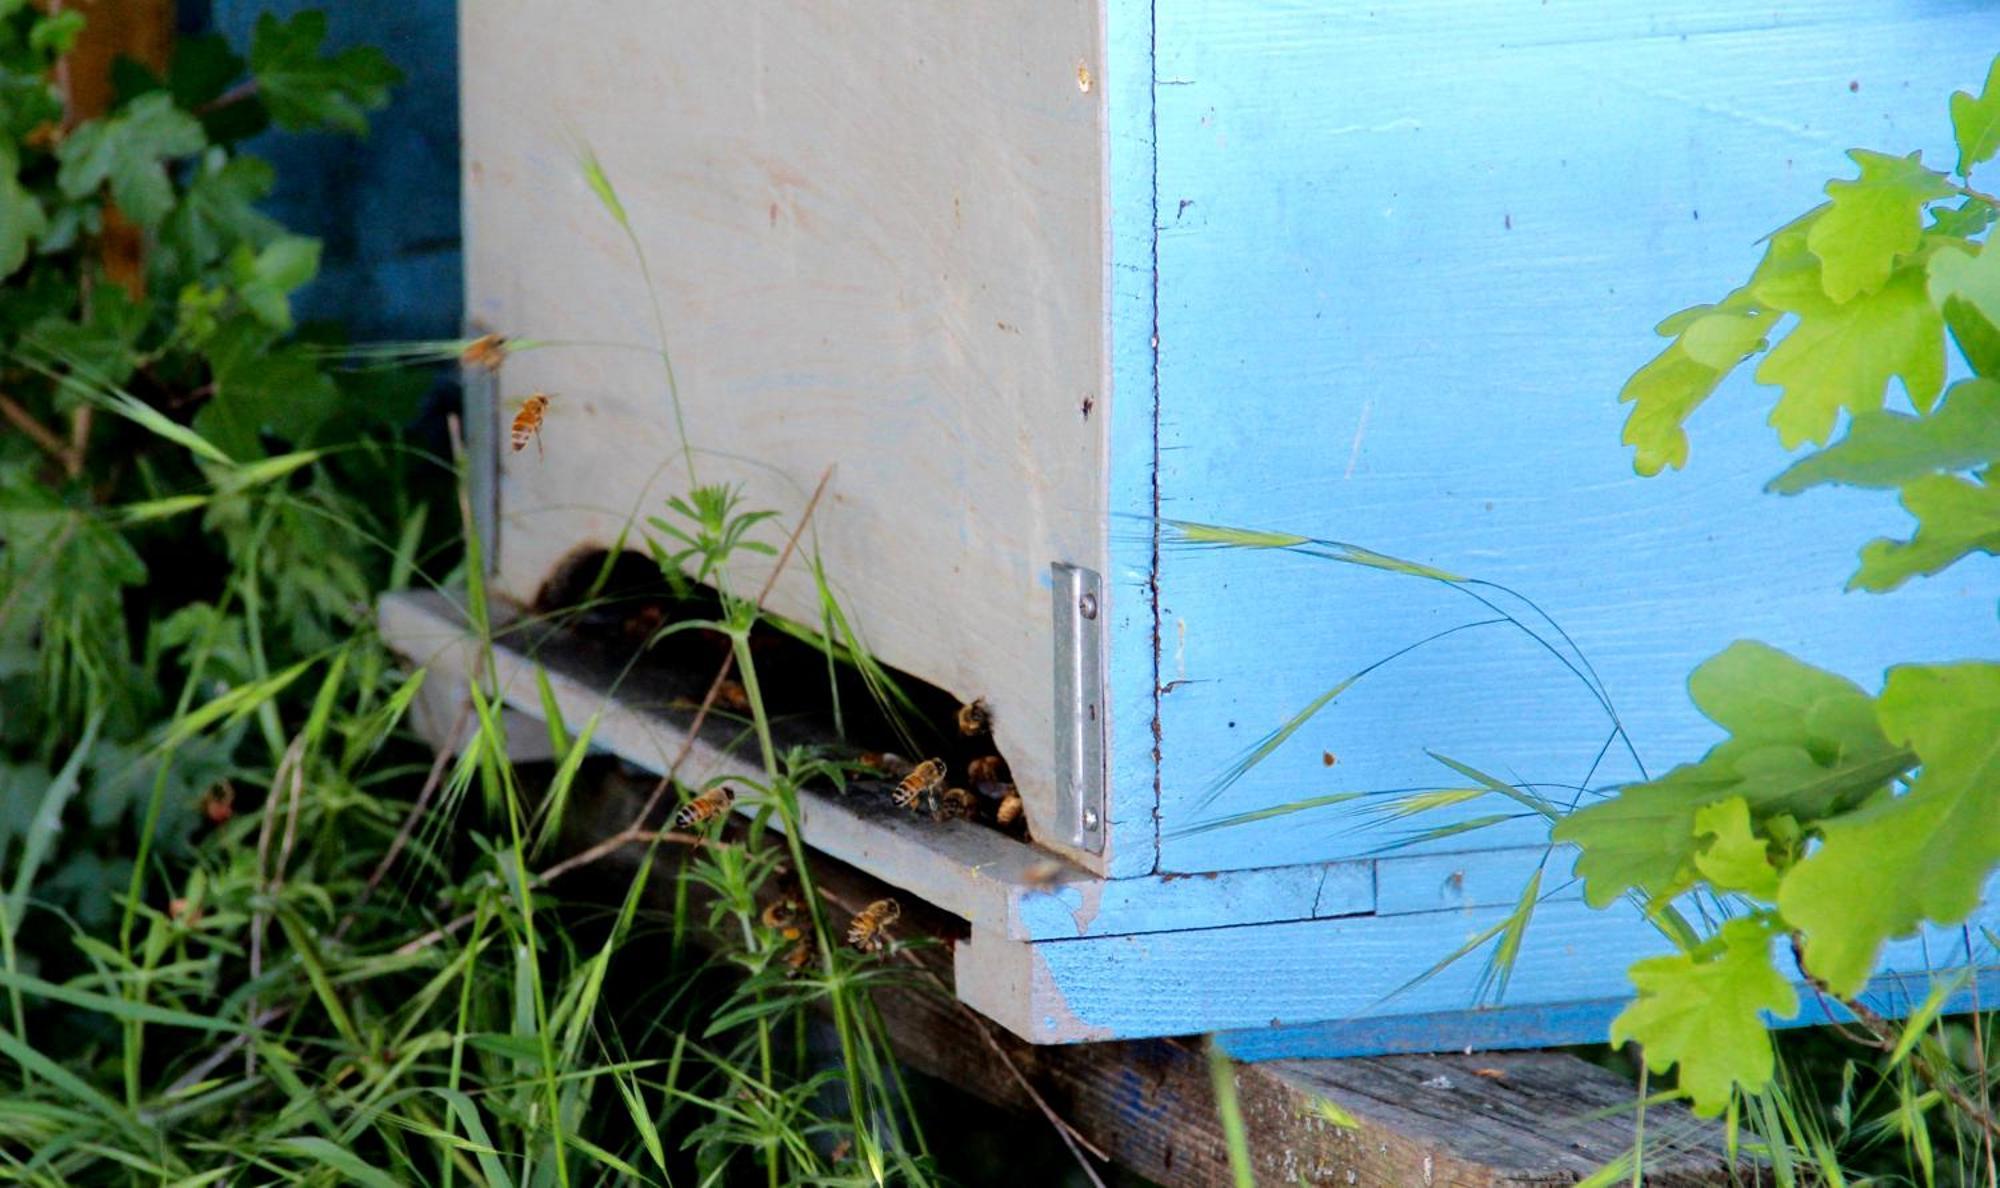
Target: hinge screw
{"points": [[1087, 606]]}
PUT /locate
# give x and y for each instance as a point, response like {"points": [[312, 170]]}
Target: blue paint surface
{"points": [[1131, 633], [1396, 308], [386, 206]]}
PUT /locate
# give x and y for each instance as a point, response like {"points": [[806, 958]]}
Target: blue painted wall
{"points": [[1407, 256], [387, 206]]}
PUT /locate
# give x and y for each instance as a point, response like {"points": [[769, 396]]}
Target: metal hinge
{"points": [[1079, 717]]}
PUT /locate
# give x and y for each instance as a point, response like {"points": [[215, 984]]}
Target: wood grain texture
{"points": [[877, 238], [1396, 307]]}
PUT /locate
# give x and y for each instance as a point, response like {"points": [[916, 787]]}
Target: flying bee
{"points": [[705, 808], [869, 929], [528, 422], [892, 765], [1042, 875], [486, 352], [782, 916], [797, 958], [975, 717], [955, 804], [730, 695], [987, 769], [921, 786], [1010, 808]]}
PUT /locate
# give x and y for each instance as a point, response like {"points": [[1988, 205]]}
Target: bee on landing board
{"points": [[731, 696], [486, 352], [921, 786], [975, 717], [987, 769], [1010, 808], [869, 929], [1042, 875], [889, 764], [955, 804], [782, 916], [528, 422], [705, 808]]}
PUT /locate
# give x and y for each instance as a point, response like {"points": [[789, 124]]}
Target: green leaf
{"points": [[22, 219], [128, 150], [1803, 743], [263, 388], [1843, 355], [1968, 272], [1889, 449], [218, 212], [1976, 122], [1709, 341], [1732, 857], [1872, 220], [1704, 1011], [1963, 221], [304, 89], [1955, 516], [266, 279], [1924, 855], [103, 351]]}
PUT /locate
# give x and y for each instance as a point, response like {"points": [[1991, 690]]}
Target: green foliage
{"points": [[306, 88], [1861, 818], [1703, 1010]]}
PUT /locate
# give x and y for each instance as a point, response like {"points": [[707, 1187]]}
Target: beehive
{"points": [[1034, 277]]}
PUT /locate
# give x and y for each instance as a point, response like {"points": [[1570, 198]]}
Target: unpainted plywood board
{"points": [[1409, 254], [875, 236]]}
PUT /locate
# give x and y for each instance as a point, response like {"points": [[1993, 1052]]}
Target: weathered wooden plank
{"points": [[1483, 1120], [1398, 312], [877, 236], [977, 873]]}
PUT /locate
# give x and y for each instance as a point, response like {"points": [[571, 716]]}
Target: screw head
{"points": [[1087, 606]]}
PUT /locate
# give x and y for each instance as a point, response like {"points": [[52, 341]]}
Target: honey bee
{"points": [[218, 804], [956, 804], [869, 929], [1010, 808], [975, 717], [921, 785], [1042, 875], [1083, 79], [892, 765], [707, 807], [798, 957], [528, 422], [182, 911], [731, 696], [782, 916], [486, 352], [987, 769]]}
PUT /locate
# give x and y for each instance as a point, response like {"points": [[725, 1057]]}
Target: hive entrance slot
{"points": [[620, 609]]}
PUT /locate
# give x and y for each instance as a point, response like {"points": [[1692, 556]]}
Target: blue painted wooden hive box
{"points": [[1039, 279]]}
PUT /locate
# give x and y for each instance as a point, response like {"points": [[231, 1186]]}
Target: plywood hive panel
{"points": [[875, 238], [1037, 277]]}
